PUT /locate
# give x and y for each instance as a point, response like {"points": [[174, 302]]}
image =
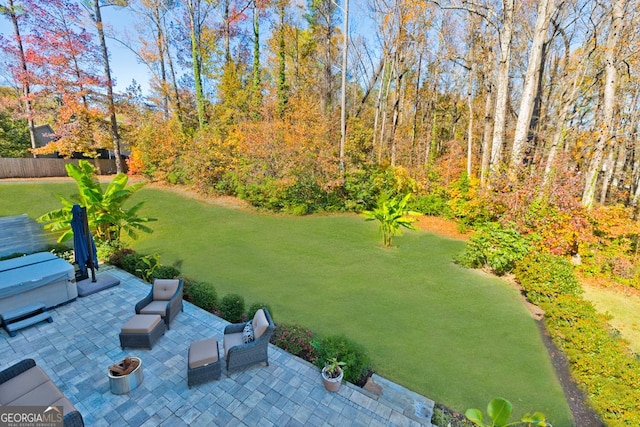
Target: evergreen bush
{"points": [[165, 272], [202, 294], [232, 308], [357, 361], [133, 263], [600, 360], [255, 307], [544, 276], [117, 258], [495, 247]]}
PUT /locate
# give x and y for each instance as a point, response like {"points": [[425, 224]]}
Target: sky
{"points": [[125, 66]]}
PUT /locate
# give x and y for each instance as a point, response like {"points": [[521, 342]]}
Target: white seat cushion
{"points": [[231, 340], [164, 289], [155, 307], [260, 324]]}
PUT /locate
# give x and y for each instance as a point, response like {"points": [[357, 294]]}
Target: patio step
{"points": [[411, 404], [25, 316]]}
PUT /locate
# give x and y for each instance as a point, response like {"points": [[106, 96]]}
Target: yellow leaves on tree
{"points": [[286, 149]]}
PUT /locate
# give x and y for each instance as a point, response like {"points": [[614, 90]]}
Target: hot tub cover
{"points": [[19, 275]]}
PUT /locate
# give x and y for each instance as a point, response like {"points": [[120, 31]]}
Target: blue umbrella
{"points": [[84, 248]]}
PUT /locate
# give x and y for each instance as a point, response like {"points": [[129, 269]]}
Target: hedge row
{"points": [[600, 360]]}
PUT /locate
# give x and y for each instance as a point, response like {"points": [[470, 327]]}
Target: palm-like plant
{"points": [[106, 216], [391, 213]]}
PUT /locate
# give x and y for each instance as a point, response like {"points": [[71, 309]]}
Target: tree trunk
{"points": [[396, 111], [107, 73], [605, 131], [161, 50], [24, 79], [257, 79], [502, 86], [416, 105], [372, 82], [546, 8], [227, 33], [486, 133], [282, 85], [174, 81], [193, 8], [343, 90], [470, 125], [376, 114]]}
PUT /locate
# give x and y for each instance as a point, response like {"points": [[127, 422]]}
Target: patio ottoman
{"points": [[204, 362], [142, 330]]}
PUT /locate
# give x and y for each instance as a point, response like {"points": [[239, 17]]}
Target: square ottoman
{"points": [[142, 331], [204, 362]]}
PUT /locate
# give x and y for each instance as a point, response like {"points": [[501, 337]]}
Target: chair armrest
{"points": [[175, 303], [17, 369], [234, 328], [73, 419], [144, 302]]}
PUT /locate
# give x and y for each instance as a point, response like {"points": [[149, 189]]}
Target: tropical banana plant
{"points": [[107, 217], [391, 213], [498, 415]]}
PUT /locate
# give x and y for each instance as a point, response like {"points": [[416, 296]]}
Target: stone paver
{"points": [[76, 349]]}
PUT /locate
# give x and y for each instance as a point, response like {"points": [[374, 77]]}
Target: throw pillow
{"points": [[247, 333]]}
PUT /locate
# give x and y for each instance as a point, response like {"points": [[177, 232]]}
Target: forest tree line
{"points": [[510, 102]]}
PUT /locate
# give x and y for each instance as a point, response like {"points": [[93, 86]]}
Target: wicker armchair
{"points": [[165, 299], [21, 381], [239, 355]]}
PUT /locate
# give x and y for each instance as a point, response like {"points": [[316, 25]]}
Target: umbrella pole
{"points": [[85, 224]]}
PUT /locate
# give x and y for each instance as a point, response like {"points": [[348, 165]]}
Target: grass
{"points": [[455, 335], [623, 309]]}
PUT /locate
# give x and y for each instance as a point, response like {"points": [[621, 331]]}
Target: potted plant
{"points": [[332, 374]]}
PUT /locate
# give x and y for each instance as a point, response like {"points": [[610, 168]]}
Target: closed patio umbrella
{"points": [[84, 248]]}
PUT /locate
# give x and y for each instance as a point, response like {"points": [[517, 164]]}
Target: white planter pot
{"points": [[332, 384]]}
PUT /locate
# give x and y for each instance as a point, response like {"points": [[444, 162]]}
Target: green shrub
{"points": [[599, 359], [305, 196], [255, 307], [431, 204], [62, 251], [117, 258], [363, 187], [232, 308], [495, 247], [267, 194], [106, 248], [544, 276], [354, 355], [296, 340], [133, 263], [202, 294], [165, 272]]}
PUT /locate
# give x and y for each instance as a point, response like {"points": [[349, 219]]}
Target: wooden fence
{"points": [[43, 167]]}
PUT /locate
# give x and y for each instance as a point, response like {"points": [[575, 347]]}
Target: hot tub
{"points": [[40, 277]]}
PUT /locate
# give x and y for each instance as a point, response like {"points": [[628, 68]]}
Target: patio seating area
{"points": [[83, 341]]}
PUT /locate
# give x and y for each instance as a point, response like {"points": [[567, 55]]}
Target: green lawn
{"points": [[457, 336], [624, 310]]}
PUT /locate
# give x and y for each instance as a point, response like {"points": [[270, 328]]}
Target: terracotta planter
{"points": [[123, 384], [332, 384]]}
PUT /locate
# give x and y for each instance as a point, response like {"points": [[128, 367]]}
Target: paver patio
{"points": [[76, 349]]}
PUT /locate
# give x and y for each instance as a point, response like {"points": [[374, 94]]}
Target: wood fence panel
{"points": [[43, 167]]}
